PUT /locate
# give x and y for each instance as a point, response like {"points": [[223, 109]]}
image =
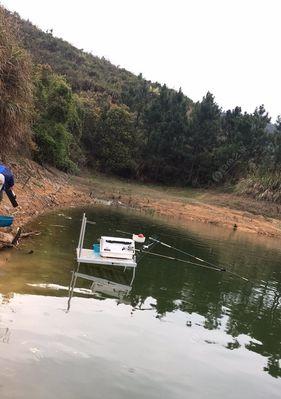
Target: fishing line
{"points": [[215, 268], [145, 249], [182, 252], [174, 248], [201, 260], [211, 266], [218, 269], [124, 232]]}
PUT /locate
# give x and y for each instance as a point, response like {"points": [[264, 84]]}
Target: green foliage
{"points": [[53, 141], [57, 126], [205, 132], [114, 142], [91, 105], [165, 138], [276, 145]]}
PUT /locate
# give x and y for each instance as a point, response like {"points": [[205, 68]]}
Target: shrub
{"points": [[57, 126]]}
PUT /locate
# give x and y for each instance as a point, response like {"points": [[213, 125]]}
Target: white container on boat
{"points": [[115, 247], [139, 238]]}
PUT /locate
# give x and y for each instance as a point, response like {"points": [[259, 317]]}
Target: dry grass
{"points": [[15, 87], [266, 187]]}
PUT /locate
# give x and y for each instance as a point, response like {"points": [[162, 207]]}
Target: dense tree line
{"points": [[87, 112]]}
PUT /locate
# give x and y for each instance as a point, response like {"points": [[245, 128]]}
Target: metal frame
{"points": [[88, 256], [85, 255], [82, 234]]}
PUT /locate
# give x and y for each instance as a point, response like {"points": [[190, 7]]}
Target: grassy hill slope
{"points": [[83, 70]]}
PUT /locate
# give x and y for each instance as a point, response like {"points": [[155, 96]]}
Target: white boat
{"points": [[114, 251], [110, 251]]}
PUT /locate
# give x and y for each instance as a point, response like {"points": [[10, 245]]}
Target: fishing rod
{"points": [[218, 269], [214, 268], [145, 249], [211, 265], [195, 257], [124, 232], [171, 247], [182, 252]]}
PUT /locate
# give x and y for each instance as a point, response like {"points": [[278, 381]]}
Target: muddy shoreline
{"points": [[40, 190]]}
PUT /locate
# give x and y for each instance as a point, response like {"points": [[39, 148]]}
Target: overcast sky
{"points": [[229, 47]]}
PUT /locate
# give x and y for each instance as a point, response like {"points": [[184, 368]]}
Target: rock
{"points": [[6, 238]]}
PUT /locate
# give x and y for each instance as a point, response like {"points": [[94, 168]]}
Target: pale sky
{"points": [[229, 47]]}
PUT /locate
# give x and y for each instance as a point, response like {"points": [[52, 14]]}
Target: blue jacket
{"points": [[9, 177]]}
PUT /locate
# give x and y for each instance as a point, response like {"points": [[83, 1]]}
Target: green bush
{"points": [[57, 127], [116, 144]]}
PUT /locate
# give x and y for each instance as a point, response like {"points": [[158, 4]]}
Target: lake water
{"points": [[178, 331]]}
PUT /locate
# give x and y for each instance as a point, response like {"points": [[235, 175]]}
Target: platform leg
{"points": [[134, 274], [72, 285]]}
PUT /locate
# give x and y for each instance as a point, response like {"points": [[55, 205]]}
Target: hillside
{"points": [[83, 70], [78, 110]]}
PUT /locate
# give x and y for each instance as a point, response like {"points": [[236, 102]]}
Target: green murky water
{"points": [[177, 332]]}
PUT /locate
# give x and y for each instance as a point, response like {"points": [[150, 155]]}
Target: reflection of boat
{"points": [[111, 252], [107, 287], [105, 281]]}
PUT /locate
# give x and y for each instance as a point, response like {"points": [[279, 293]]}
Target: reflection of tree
{"points": [[251, 309], [273, 366]]}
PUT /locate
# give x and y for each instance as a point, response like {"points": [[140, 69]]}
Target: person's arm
{"points": [[12, 197], [6, 184], [2, 182]]}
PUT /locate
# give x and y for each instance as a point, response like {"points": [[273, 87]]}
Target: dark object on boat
{"points": [[12, 197], [6, 221]]}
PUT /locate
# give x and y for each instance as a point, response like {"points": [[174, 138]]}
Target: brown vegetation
{"points": [[15, 87]]}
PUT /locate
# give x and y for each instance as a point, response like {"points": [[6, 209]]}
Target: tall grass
{"points": [[15, 87], [266, 186]]}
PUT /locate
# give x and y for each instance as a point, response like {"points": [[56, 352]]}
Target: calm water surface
{"points": [[177, 332]]}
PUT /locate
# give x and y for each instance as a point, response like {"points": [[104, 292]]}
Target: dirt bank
{"points": [[39, 190]]}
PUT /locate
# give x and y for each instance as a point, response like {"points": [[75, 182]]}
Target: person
{"points": [[7, 183], [2, 182]]}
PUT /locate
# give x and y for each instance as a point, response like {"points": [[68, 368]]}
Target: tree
{"points": [[115, 148], [165, 123], [57, 126], [205, 128]]}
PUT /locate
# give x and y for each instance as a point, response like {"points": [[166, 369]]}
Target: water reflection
{"points": [[104, 280], [218, 310]]}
